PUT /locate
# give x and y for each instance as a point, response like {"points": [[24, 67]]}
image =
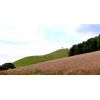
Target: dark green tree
{"points": [[92, 44], [98, 42], [7, 66]]}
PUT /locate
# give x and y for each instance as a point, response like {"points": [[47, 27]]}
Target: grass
{"points": [[61, 53], [85, 64]]}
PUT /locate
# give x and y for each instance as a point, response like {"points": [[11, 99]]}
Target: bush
{"points": [[7, 66]]}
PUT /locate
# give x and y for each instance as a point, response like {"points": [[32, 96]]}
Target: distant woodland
{"points": [[92, 44]]}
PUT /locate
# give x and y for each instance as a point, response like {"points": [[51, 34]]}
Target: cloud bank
{"points": [[32, 27], [18, 42]]}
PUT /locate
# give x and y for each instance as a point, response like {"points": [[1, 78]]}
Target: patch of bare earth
{"points": [[76, 65]]}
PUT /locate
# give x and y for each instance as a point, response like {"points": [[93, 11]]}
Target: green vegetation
{"points": [[92, 44], [36, 59], [7, 66]]}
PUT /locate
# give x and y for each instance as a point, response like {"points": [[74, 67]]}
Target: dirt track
{"points": [[81, 64]]}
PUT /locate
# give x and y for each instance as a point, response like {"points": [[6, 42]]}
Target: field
{"points": [[61, 53], [85, 64]]}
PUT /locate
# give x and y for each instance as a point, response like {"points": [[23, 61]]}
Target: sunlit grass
{"points": [[36, 59]]}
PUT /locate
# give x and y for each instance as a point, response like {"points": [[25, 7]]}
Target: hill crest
{"points": [[61, 53]]}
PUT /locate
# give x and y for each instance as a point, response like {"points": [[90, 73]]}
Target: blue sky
{"points": [[43, 39], [89, 28], [34, 27], [62, 33]]}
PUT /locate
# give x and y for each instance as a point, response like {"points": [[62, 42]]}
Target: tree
{"points": [[90, 45], [7, 66], [71, 51], [98, 42]]}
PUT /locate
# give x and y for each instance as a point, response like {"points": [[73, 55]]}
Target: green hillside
{"points": [[61, 53]]}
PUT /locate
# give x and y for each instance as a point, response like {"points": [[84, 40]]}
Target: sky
{"points": [[35, 27]]}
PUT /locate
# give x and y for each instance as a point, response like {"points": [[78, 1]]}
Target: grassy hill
{"points": [[83, 64], [61, 53]]}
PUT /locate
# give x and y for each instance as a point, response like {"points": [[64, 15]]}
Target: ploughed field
{"points": [[84, 64]]}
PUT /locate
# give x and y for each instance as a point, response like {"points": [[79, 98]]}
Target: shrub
{"points": [[7, 66]]}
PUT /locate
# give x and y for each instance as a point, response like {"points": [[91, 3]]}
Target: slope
{"points": [[61, 53], [88, 63]]}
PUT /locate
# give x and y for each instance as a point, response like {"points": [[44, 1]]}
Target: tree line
{"points": [[92, 44]]}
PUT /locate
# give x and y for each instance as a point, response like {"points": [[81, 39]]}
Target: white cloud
{"points": [[36, 43], [20, 20]]}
